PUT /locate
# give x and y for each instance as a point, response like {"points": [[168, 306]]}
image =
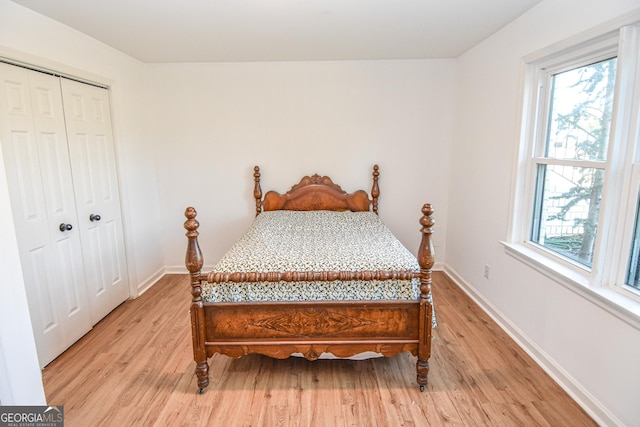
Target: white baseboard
{"points": [[150, 281], [582, 396], [181, 269], [175, 269]]}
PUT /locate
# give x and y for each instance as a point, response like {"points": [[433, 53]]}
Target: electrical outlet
{"points": [[486, 271]]}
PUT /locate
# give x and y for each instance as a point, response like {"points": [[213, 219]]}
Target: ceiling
{"points": [[284, 30]]}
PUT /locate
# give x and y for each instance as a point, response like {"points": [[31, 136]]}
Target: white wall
{"points": [[293, 119], [33, 39], [593, 351]]}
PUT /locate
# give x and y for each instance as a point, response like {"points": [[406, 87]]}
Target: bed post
{"points": [[257, 191], [375, 190], [193, 261], [426, 261]]}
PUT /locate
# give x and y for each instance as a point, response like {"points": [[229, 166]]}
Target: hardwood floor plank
{"points": [[135, 368]]}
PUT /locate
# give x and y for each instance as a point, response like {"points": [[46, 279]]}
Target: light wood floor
{"points": [[135, 368]]}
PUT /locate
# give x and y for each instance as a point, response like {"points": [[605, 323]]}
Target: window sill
{"points": [[615, 303]]}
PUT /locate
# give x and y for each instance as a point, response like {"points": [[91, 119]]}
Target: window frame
{"points": [[544, 71], [604, 281]]}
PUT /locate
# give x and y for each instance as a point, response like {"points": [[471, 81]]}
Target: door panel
{"points": [[55, 170], [47, 316], [51, 167], [32, 131], [66, 255], [27, 174], [96, 190]]}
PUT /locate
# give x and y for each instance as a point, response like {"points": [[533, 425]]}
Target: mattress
{"points": [[279, 241]]}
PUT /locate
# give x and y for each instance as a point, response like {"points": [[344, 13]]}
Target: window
{"points": [[577, 201], [571, 169]]}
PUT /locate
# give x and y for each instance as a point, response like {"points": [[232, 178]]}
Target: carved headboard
{"points": [[316, 192]]}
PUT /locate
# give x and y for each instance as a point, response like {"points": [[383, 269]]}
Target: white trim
{"points": [[572, 163], [146, 284], [588, 402], [38, 63], [521, 171], [181, 269]]}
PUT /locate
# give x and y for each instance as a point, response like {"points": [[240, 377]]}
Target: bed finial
{"points": [[375, 190], [425, 253], [257, 191], [193, 259]]}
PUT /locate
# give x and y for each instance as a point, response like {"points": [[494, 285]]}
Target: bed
{"points": [[317, 274]]}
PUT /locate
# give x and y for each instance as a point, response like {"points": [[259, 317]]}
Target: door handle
{"points": [[94, 217], [65, 227]]}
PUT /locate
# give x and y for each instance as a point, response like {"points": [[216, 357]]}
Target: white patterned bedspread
{"points": [[315, 241]]}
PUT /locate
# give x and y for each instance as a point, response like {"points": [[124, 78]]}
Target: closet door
{"points": [[89, 132], [34, 145]]}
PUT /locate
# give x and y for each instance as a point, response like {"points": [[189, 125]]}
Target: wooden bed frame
{"points": [[343, 328]]}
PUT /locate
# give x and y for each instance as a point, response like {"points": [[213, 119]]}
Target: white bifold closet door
{"points": [[58, 151], [89, 132]]}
